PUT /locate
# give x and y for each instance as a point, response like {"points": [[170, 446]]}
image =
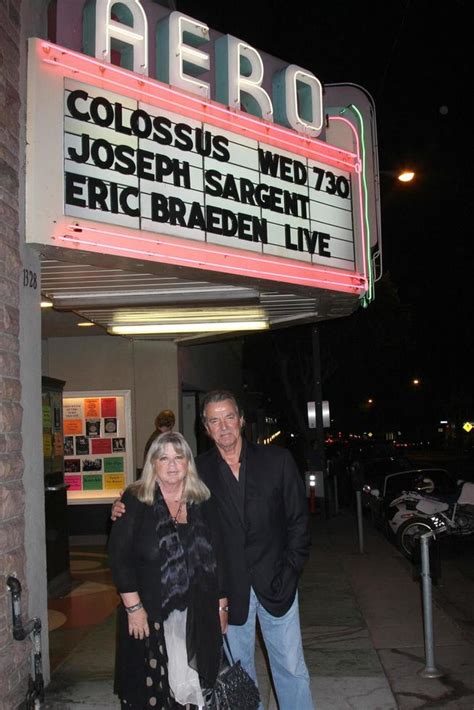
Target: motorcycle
{"points": [[415, 513]]}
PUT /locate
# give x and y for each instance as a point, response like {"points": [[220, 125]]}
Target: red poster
{"points": [[101, 446], [108, 406], [74, 482]]}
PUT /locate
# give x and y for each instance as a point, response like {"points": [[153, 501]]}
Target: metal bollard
{"points": [[430, 670], [336, 495], [360, 523], [312, 493]]}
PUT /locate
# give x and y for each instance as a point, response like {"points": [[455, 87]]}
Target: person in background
{"points": [[164, 422], [166, 563], [263, 515]]}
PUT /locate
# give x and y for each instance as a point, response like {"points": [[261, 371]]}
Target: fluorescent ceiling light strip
{"points": [[203, 327], [129, 319], [184, 312], [207, 111], [123, 293], [261, 272]]}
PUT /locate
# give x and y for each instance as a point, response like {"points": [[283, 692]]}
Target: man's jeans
{"points": [[282, 636]]}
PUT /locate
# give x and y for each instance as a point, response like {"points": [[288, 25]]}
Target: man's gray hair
{"points": [[219, 396]]}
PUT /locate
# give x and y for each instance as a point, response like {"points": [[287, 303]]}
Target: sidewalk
{"points": [[362, 631], [363, 628]]}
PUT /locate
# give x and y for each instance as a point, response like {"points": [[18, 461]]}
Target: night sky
{"points": [[413, 58]]}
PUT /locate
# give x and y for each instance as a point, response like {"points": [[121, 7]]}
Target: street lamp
{"points": [[406, 176]]}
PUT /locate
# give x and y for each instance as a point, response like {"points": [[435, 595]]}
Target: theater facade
{"points": [[171, 187]]}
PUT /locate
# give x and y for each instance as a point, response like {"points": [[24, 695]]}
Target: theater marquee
{"points": [[122, 164]]}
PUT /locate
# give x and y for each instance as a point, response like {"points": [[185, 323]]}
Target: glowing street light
{"points": [[406, 176]]}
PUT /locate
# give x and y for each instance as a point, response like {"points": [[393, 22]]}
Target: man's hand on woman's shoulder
{"points": [[118, 508]]}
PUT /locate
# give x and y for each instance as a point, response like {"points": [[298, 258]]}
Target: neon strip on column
{"points": [[360, 172], [370, 295]]}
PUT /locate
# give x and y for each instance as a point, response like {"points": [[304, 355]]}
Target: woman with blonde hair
{"points": [[166, 563]]}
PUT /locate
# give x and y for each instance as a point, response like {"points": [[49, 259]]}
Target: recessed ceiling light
{"points": [[85, 324], [46, 304]]}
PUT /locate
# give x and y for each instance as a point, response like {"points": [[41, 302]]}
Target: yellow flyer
{"points": [[114, 481], [47, 445]]}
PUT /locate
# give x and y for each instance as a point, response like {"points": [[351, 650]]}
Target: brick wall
{"points": [[14, 655]]}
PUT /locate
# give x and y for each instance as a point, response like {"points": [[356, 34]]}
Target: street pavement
{"points": [[365, 643], [362, 628]]}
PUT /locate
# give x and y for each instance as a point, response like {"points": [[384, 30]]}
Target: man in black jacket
{"points": [[264, 521]]}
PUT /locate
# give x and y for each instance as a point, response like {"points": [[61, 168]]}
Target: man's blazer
{"points": [[267, 547]]}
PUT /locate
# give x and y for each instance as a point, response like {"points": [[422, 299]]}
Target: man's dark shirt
{"points": [[236, 486]]}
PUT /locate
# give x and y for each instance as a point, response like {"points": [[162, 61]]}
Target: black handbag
{"points": [[234, 688]]}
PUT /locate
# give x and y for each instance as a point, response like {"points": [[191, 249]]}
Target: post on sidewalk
{"points": [[318, 400], [315, 492], [430, 670], [312, 493], [360, 521], [336, 493]]}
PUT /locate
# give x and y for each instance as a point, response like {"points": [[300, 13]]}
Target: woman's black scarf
{"points": [[190, 581]]}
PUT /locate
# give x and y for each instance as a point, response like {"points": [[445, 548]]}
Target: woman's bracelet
{"points": [[134, 607], [224, 608]]}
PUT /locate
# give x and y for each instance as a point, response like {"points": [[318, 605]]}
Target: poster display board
{"points": [[97, 445]]}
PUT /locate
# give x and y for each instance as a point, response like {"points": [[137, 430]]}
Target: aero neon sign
{"points": [[192, 151], [182, 57]]}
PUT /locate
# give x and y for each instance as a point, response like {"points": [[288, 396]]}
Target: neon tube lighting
{"points": [[370, 294], [361, 193], [128, 83], [309, 277], [184, 244]]}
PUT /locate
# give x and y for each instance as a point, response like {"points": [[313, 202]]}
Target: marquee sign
{"points": [[122, 164]]}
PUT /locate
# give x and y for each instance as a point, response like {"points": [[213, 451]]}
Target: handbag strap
{"points": [[227, 645]]}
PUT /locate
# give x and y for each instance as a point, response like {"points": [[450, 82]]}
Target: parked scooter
{"points": [[416, 513]]}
